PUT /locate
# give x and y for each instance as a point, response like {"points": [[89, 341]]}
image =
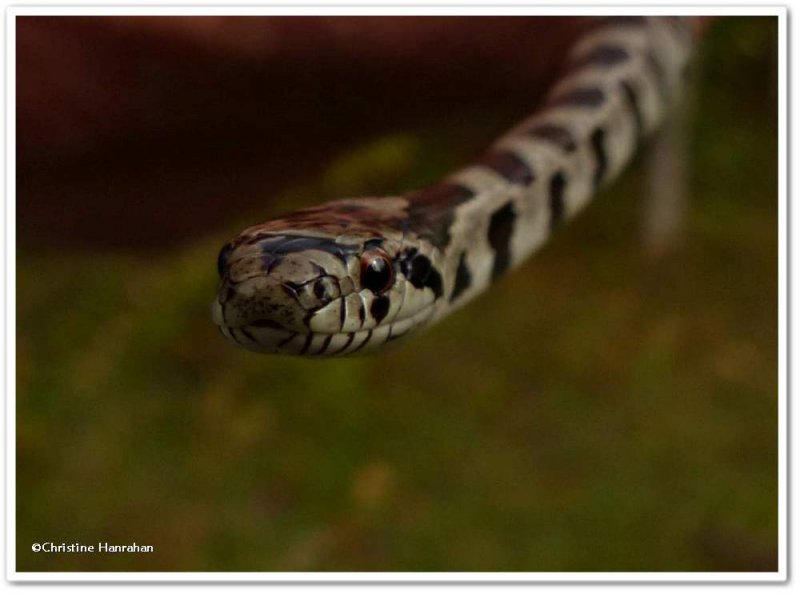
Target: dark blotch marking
{"points": [[501, 226], [463, 278], [557, 185], [434, 283], [430, 211], [279, 245], [558, 135], [414, 266], [445, 195], [419, 271], [579, 97], [633, 104], [509, 166], [604, 56], [597, 140], [379, 308]]}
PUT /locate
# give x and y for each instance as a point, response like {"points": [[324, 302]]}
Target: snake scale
{"points": [[351, 275]]}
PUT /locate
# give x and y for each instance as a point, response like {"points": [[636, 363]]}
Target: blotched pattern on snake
{"points": [[351, 275]]}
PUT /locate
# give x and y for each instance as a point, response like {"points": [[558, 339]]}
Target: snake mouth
{"points": [[264, 335], [268, 336], [272, 338]]}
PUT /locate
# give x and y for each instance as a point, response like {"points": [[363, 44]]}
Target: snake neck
{"points": [[618, 83], [351, 275]]}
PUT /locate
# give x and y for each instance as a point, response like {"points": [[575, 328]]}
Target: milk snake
{"points": [[351, 275]]}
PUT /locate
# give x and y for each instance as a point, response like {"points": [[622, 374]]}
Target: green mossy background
{"points": [[598, 410]]}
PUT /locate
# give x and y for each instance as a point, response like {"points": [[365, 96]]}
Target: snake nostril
{"points": [[322, 290]]}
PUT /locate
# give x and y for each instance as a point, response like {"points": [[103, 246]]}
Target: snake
{"points": [[351, 275]]}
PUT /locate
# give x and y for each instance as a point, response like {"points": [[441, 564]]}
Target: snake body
{"points": [[351, 275]]}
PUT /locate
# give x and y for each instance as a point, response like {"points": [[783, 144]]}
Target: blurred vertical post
{"points": [[666, 196]]}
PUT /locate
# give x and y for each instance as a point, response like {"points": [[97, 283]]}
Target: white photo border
{"points": [[356, 7]]}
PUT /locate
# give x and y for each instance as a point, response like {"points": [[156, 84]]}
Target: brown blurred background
{"points": [[187, 120]]}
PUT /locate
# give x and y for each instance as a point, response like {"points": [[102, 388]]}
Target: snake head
{"points": [[296, 288]]}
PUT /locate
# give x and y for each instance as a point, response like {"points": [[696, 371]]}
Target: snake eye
{"points": [[222, 259], [377, 273]]}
